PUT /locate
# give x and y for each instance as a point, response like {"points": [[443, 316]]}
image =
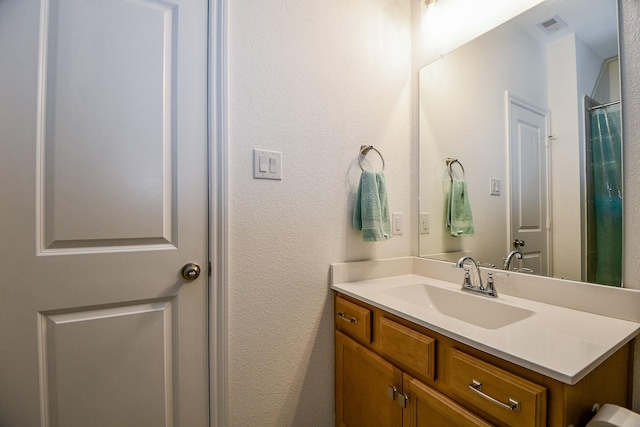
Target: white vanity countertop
{"points": [[558, 342]]}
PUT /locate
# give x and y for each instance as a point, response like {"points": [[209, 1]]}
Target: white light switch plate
{"points": [[495, 186], [267, 164], [424, 223], [396, 223]]}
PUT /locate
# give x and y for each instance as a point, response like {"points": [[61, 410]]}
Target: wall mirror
{"points": [[531, 112]]}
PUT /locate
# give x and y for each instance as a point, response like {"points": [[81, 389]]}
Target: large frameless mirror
{"points": [[525, 119]]}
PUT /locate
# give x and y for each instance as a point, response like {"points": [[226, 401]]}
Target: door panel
{"points": [[113, 376], [529, 198], [103, 199], [108, 174]]}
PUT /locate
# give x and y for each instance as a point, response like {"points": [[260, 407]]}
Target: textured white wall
{"points": [[313, 80], [630, 67]]}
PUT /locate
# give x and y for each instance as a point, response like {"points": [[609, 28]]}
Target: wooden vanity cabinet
{"points": [[393, 373], [371, 392]]}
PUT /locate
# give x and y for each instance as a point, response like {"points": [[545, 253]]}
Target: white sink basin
{"points": [[559, 342], [474, 309]]}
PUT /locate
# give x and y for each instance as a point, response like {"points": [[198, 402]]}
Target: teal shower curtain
{"points": [[606, 146]]}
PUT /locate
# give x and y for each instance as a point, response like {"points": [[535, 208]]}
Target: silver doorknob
{"points": [[191, 271], [518, 243]]}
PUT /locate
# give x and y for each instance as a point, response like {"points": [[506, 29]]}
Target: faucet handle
{"points": [[467, 278], [490, 289]]}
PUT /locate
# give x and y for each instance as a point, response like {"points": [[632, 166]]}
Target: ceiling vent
{"points": [[551, 25]]}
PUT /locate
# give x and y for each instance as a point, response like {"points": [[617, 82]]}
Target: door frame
{"points": [[510, 100], [218, 213]]}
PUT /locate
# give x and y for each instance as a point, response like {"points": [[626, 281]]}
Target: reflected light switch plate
{"points": [[495, 186], [267, 164], [396, 223], [424, 223]]}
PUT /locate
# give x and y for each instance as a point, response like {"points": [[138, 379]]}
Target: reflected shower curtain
{"points": [[606, 146]]}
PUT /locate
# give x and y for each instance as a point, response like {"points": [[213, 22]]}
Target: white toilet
{"points": [[614, 416]]}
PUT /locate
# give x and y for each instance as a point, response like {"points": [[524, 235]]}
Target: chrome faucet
{"points": [[468, 285], [509, 258]]}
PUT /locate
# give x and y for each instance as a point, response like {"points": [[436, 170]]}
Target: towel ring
{"points": [[364, 150], [450, 162]]}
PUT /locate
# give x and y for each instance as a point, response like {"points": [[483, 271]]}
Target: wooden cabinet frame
{"points": [[563, 404]]}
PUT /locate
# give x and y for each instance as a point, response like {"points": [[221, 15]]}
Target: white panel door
{"points": [[103, 200], [529, 179]]}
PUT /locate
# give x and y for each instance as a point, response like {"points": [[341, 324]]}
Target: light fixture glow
{"points": [[455, 22], [428, 15]]}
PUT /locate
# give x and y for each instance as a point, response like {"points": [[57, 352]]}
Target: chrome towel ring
{"points": [[450, 162], [364, 150]]}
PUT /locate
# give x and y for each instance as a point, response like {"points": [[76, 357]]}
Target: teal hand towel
{"points": [[459, 218], [371, 211]]}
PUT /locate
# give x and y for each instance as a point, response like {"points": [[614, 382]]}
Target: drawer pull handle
{"points": [[403, 400], [513, 405], [346, 319], [392, 392]]}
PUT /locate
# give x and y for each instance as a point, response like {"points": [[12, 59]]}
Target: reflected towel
{"points": [[459, 218], [371, 211]]}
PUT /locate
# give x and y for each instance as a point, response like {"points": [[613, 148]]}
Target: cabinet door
{"points": [[428, 408], [362, 387]]}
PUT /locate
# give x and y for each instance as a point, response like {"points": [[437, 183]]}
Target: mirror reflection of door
{"points": [[529, 177]]}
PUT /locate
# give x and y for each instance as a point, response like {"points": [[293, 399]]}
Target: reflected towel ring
{"points": [[450, 162], [364, 150]]}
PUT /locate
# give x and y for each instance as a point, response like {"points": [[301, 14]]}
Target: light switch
{"points": [[396, 223], [424, 223], [267, 164], [262, 160], [494, 184]]}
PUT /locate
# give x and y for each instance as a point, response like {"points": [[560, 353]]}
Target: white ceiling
{"points": [[595, 22]]}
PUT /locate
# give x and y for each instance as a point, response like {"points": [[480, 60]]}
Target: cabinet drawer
{"points": [[412, 350], [501, 394], [353, 320]]}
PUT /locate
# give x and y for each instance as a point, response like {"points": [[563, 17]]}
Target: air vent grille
{"points": [[551, 25]]}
